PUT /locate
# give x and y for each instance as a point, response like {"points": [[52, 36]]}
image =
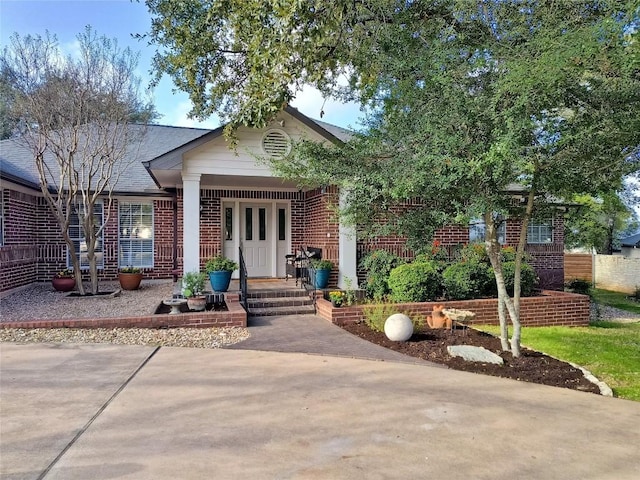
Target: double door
{"points": [[263, 231]]}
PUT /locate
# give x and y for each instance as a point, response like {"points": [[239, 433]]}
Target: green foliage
{"points": [[468, 279], [599, 222], [615, 299], [376, 314], [130, 269], [378, 265], [220, 264], [322, 264], [193, 283], [528, 278], [611, 351], [578, 285], [415, 282]]}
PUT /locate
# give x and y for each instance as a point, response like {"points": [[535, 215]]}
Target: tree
{"points": [[480, 108], [73, 114], [599, 222]]}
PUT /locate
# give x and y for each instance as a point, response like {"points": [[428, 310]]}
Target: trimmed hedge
{"points": [[468, 280], [415, 282]]}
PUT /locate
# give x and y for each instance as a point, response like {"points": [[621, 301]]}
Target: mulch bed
{"points": [[431, 344]]}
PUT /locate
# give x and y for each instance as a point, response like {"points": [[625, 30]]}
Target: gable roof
{"points": [[161, 147]]}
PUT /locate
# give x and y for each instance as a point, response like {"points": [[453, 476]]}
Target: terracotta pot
{"points": [[63, 284], [130, 281], [197, 303]]}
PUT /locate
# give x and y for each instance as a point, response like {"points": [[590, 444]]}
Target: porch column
{"points": [[347, 243], [191, 222]]}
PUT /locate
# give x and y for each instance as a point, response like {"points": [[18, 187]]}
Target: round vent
{"points": [[275, 143]]}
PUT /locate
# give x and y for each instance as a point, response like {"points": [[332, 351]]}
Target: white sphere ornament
{"points": [[398, 327]]}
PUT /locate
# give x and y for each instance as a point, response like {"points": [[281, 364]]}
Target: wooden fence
{"points": [[578, 265]]}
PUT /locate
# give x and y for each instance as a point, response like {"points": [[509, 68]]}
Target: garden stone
{"points": [[398, 327], [475, 354]]}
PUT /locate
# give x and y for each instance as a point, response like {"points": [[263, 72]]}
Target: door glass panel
{"points": [[262, 223], [248, 224], [228, 223], [282, 224]]}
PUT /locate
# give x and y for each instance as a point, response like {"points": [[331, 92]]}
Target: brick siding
{"points": [[550, 309]]}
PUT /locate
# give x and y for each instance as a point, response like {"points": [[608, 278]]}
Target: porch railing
{"points": [[308, 275], [243, 279]]}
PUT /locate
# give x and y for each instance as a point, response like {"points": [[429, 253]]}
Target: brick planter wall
{"points": [[550, 309], [236, 316]]}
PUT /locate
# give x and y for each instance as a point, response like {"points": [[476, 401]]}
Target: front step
{"points": [[263, 303]]}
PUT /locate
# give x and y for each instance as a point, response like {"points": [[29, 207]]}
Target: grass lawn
{"points": [[615, 299], [611, 351]]}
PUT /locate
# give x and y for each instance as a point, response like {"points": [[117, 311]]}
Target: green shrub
{"points": [[378, 264], [415, 282], [578, 285], [528, 278], [376, 314], [468, 280]]}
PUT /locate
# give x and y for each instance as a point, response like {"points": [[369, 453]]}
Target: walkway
{"points": [[314, 335]]}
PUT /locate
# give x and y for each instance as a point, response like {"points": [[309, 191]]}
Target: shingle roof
{"points": [[17, 164], [17, 161], [632, 241]]}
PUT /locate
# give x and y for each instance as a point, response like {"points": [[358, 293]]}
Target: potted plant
{"points": [[192, 288], [336, 297], [220, 269], [323, 269], [64, 280], [130, 278]]}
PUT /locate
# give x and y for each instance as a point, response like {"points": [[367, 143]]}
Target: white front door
{"points": [[256, 235]]}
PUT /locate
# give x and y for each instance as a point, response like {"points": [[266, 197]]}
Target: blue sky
{"points": [[120, 19]]}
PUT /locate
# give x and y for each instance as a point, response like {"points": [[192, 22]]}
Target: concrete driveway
{"points": [[106, 411]]}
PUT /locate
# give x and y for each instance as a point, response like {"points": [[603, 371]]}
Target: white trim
{"points": [[191, 222], [347, 251]]}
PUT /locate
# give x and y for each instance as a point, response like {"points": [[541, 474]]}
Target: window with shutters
{"points": [[276, 143], [135, 225]]}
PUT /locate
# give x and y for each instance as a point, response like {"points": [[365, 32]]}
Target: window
{"points": [[262, 223], [135, 226], [248, 223], [539, 232], [79, 242], [282, 224], [228, 223], [477, 230]]}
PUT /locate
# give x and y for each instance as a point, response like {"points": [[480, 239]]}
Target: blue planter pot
{"points": [[322, 278], [220, 280]]}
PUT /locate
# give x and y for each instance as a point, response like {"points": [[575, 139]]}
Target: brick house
{"points": [[190, 197]]}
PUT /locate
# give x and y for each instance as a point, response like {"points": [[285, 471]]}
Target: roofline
{"points": [[294, 112], [19, 181], [196, 142]]}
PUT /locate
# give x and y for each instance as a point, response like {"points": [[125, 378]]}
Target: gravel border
{"points": [[39, 301]]}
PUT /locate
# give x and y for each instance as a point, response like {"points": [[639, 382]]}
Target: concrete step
{"points": [[279, 302], [281, 311]]}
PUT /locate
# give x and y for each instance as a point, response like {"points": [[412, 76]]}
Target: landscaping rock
{"points": [[398, 327], [474, 354]]}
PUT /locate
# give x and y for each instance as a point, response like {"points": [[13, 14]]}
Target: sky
{"points": [[121, 19]]}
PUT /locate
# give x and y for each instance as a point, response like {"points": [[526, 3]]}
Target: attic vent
{"points": [[276, 143]]}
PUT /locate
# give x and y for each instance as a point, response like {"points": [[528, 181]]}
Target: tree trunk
{"points": [[493, 249]]}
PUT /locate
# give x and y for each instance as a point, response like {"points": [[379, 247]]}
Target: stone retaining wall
{"points": [[552, 308]]}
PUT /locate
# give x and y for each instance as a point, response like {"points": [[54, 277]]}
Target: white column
{"points": [[347, 244], [191, 222]]}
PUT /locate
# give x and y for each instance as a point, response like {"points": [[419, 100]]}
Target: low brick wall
{"points": [[235, 316], [549, 309]]}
